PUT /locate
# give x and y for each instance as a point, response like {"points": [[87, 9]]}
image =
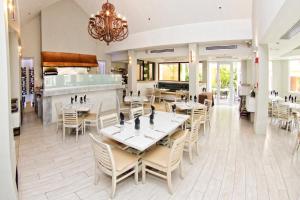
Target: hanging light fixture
{"points": [[107, 25]]}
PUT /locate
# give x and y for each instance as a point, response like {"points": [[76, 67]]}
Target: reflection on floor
{"points": [[234, 163]]}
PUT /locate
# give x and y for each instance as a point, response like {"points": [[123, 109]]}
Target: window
{"points": [[177, 71], [294, 73], [184, 72], [145, 70], [168, 72]]}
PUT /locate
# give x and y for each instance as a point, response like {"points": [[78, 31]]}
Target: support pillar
{"points": [[7, 145], [194, 88], [232, 92], [132, 81], [262, 69]]}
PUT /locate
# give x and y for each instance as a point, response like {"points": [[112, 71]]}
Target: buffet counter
{"points": [[97, 88]]}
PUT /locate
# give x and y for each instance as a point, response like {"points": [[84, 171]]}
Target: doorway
{"points": [[224, 79]]}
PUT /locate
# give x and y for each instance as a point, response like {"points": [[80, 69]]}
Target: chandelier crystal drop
{"points": [[107, 25]]}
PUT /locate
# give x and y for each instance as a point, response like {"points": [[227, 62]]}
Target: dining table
{"points": [[275, 98], [189, 105], [129, 99], [293, 106], [79, 107], [165, 123]]}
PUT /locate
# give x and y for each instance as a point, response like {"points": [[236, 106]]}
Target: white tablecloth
{"points": [[189, 105], [164, 124], [130, 99]]}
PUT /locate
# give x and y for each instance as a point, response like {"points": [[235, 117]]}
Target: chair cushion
{"points": [[123, 159], [159, 156], [90, 116], [114, 143], [177, 135]]}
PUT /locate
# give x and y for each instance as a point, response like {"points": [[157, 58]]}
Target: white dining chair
{"points": [[191, 141], [111, 120], [136, 112], [147, 107], [208, 104], [158, 95], [72, 121], [168, 106], [197, 114], [284, 115], [162, 161], [59, 116], [274, 117], [114, 162], [121, 107], [136, 104], [93, 119]]}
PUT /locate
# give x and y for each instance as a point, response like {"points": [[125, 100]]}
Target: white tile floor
{"points": [[234, 163]]}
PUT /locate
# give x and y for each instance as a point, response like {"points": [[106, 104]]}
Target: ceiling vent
{"points": [[221, 47], [292, 32], [224, 57], [160, 51]]}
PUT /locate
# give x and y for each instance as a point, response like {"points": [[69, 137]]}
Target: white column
{"points": [[243, 72], [132, 81], [204, 72], [194, 88], [261, 114], [208, 77], [231, 84], [7, 147], [218, 79]]}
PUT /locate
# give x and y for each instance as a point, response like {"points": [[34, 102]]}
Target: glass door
{"points": [[223, 78]]}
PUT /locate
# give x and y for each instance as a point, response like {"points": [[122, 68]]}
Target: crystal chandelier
{"points": [[107, 25]]}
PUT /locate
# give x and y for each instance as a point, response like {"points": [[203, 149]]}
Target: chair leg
{"points": [[204, 129], [77, 134], [64, 134], [169, 180], [143, 173], [197, 148], [181, 170], [114, 185], [136, 173], [57, 126], [191, 154]]}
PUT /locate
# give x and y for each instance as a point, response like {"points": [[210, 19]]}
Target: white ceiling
{"points": [[162, 13], [31, 8]]}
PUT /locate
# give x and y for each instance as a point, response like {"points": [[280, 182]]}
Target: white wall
{"points": [[15, 74], [31, 45], [7, 146], [280, 76], [64, 29]]}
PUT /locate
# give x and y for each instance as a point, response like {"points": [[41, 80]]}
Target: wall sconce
{"points": [[11, 9], [20, 50], [129, 60]]}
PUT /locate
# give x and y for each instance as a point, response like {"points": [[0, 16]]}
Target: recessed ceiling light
{"points": [[220, 7], [149, 18]]}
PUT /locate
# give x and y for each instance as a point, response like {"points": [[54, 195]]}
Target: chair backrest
{"points": [[177, 150], [136, 112], [103, 155], [149, 92], [193, 134], [70, 117], [208, 104], [152, 100], [136, 104], [283, 111], [109, 120], [157, 92], [168, 106], [198, 114], [58, 108], [99, 110]]}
